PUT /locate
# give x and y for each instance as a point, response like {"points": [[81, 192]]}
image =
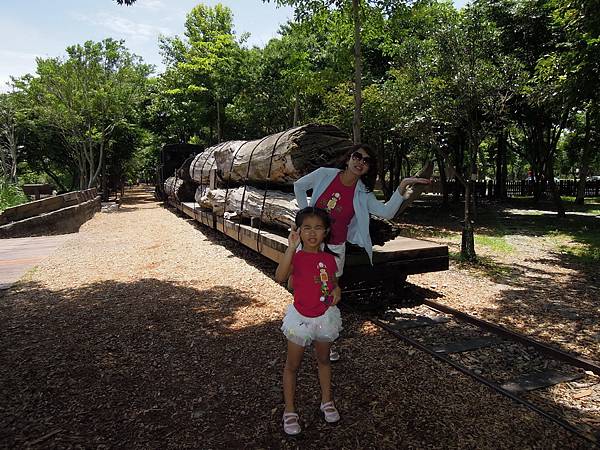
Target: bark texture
{"points": [[279, 211], [180, 190], [281, 158]]}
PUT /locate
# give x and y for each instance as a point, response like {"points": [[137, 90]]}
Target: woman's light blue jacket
{"points": [[365, 203]]}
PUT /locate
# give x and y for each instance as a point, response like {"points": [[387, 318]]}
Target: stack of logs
{"points": [[245, 179]]}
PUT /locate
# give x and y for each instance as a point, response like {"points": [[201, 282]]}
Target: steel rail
{"points": [[564, 424], [547, 349]]}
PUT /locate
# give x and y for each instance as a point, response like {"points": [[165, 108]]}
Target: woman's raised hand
{"points": [[294, 237], [411, 181]]}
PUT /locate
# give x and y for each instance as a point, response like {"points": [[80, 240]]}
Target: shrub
{"points": [[10, 194]]}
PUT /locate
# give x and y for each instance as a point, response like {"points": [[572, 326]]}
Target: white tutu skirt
{"points": [[303, 330]]}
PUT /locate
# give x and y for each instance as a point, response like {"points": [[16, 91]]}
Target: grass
{"points": [[496, 243], [484, 264], [10, 195], [591, 205], [583, 245], [575, 238]]}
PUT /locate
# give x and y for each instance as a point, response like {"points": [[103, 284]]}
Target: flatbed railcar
{"points": [[392, 262]]}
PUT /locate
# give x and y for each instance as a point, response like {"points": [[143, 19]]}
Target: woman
{"points": [[347, 194]]}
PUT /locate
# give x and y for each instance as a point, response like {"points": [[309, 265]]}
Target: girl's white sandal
{"points": [[330, 412], [291, 426]]}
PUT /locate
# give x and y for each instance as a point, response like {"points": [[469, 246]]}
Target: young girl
{"points": [[313, 317]]}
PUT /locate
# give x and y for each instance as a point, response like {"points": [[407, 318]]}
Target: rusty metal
{"points": [[566, 425], [542, 347]]}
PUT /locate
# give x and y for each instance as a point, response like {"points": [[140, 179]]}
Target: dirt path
{"points": [[146, 331], [18, 255]]}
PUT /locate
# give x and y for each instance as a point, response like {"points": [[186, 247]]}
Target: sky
{"points": [[45, 28]]}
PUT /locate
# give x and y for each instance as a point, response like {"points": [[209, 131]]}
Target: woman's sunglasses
{"points": [[357, 156]]}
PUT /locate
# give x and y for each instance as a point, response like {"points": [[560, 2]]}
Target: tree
{"points": [[304, 8], [577, 61], [540, 108], [86, 98], [204, 67], [10, 140]]}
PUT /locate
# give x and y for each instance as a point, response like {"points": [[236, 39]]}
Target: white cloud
{"points": [[123, 26], [153, 5], [17, 55]]}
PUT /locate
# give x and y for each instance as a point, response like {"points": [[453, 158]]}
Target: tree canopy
{"points": [[495, 90]]}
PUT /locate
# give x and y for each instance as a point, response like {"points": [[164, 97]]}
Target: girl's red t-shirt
{"points": [[338, 201], [313, 275]]}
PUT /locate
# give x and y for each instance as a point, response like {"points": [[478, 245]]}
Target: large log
{"points": [[180, 190], [184, 171], [281, 158], [280, 209]]}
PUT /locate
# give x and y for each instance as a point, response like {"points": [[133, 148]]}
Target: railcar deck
{"points": [[391, 261]]}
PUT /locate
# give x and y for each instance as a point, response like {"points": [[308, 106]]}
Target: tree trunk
{"points": [[296, 111], [385, 186], [279, 209], [219, 131], [104, 184], [180, 190], [467, 248], [443, 182], [560, 208], [587, 153], [356, 122], [418, 189], [500, 186]]}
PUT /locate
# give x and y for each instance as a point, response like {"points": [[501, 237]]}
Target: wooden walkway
{"points": [[18, 255]]}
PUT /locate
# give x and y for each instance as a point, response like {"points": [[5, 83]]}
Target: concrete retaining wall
{"points": [[62, 221]]}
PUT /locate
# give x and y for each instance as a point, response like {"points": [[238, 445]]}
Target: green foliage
{"points": [[10, 194], [435, 81], [82, 109]]}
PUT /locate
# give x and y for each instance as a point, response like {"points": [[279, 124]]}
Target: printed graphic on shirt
{"points": [[332, 203], [323, 279]]}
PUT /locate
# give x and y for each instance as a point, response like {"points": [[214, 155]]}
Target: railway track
{"points": [[514, 365], [521, 368]]}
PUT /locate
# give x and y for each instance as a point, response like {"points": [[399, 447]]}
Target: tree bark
{"points": [[467, 248], [357, 119], [560, 208], [587, 152], [281, 158], [180, 190], [443, 182], [296, 111], [219, 130], [280, 207], [499, 188], [279, 211]]}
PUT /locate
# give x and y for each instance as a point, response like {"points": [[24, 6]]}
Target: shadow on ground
{"points": [[561, 305], [152, 364]]}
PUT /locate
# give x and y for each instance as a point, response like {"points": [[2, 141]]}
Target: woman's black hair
{"points": [[368, 178], [321, 214]]}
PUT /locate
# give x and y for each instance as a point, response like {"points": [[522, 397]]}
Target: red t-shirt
{"points": [[338, 200], [313, 275]]}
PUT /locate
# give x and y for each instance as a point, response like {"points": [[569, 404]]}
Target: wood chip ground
{"points": [[145, 330]]}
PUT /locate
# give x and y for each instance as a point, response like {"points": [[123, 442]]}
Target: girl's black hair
{"points": [[368, 178], [321, 214]]}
